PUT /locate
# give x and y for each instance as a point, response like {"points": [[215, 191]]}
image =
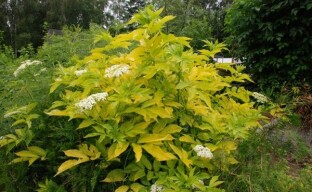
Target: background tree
{"points": [[22, 22], [117, 12], [198, 19], [274, 39], [74, 12]]}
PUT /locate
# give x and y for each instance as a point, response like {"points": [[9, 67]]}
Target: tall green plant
{"points": [[153, 112], [273, 39]]}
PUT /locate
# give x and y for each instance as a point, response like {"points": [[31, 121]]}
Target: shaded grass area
{"points": [[275, 160]]}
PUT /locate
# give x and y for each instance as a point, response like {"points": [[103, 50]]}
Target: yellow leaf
{"points": [[20, 121], [138, 129], [94, 152], [115, 175], [152, 138], [123, 188], [172, 128], [26, 154], [186, 139], [91, 151], [138, 151], [227, 146], [76, 153], [137, 175], [116, 149], [160, 111], [37, 150], [206, 98], [32, 160], [54, 86], [158, 98], [20, 159], [57, 112], [136, 187], [182, 155], [232, 160], [139, 111], [85, 123], [214, 181], [173, 104], [159, 153], [66, 165]]}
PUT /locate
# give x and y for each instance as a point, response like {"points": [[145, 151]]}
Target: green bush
{"points": [[59, 49], [147, 103], [146, 113], [25, 80], [274, 40]]}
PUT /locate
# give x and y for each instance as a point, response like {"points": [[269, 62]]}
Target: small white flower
{"points": [[80, 72], [203, 152], [43, 69], [89, 102], [199, 148], [24, 65], [260, 98], [117, 70], [157, 188]]}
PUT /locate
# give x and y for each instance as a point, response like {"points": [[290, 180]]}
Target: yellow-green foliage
{"points": [[147, 100], [22, 127]]}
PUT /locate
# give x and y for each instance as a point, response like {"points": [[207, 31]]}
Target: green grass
{"points": [[271, 161]]}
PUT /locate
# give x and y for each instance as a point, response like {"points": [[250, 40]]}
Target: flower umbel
{"points": [[157, 188], [203, 152], [24, 65], [117, 70], [260, 98], [89, 102]]}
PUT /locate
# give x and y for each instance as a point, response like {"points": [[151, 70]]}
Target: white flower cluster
{"points": [[41, 71], [260, 98], [89, 102], [80, 72], [24, 65], [203, 152], [117, 70], [157, 188]]}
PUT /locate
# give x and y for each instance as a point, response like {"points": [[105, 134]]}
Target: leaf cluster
{"points": [[273, 39], [169, 101], [149, 99]]}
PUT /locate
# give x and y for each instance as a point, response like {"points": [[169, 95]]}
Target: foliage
{"points": [[59, 49], [273, 39], [143, 101], [146, 112], [29, 86], [271, 160], [49, 185], [26, 22], [197, 19]]}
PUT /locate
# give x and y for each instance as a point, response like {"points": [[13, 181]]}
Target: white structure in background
{"points": [[227, 60]]}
